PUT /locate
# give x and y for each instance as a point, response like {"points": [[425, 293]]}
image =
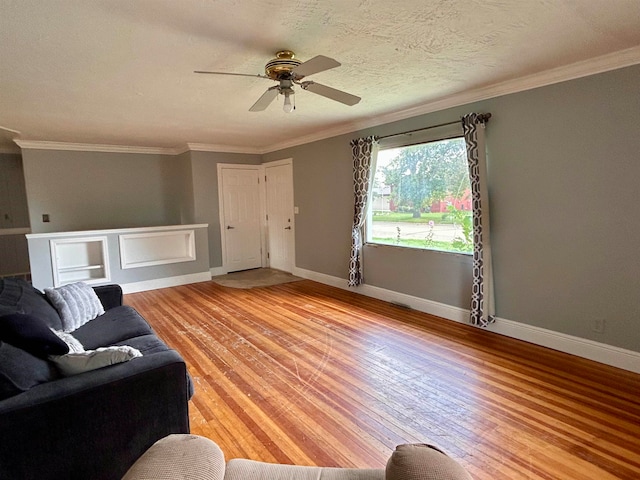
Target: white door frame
{"points": [[223, 245], [277, 163]]}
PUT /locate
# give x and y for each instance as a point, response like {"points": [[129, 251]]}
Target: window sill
{"points": [[430, 250]]}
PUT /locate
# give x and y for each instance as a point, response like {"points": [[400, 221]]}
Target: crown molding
{"points": [[92, 147], [206, 147], [322, 135], [604, 63]]}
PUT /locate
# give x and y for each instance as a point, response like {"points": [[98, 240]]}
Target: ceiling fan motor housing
{"points": [[281, 66]]}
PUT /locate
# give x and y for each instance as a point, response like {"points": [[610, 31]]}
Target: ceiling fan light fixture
{"points": [[288, 107]]}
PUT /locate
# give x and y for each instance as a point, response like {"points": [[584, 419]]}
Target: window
{"points": [[421, 196]]}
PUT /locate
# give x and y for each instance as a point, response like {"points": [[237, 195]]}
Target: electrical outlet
{"points": [[598, 325], [45, 218]]}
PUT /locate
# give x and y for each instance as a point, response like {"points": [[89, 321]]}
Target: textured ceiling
{"points": [[121, 72]]}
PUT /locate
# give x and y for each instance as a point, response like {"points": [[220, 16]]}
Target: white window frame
{"points": [[435, 134]]}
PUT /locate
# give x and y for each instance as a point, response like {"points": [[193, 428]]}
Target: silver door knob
{"points": [[287, 228], [229, 227]]}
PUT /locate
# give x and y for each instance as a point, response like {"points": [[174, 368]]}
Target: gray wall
{"points": [[204, 166], [14, 213], [181, 188], [93, 190], [323, 193], [563, 174]]}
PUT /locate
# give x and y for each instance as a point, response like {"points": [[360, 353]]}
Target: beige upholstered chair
{"points": [[190, 457]]}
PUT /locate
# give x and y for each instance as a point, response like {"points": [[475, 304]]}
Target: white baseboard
{"points": [[165, 282], [581, 347]]}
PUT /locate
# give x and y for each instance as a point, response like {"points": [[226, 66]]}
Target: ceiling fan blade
{"points": [[317, 64], [265, 100], [332, 93], [236, 74]]}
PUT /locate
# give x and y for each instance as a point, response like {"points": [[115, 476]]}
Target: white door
{"points": [[240, 195], [280, 220]]}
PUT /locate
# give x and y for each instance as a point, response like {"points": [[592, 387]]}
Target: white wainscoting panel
{"points": [[156, 248]]}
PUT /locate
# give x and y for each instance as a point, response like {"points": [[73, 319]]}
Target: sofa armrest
{"points": [[180, 456], [96, 424], [420, 461], [110, 295]]}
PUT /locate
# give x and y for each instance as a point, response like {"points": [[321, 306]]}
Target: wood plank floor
{"points": [[308, 374]]}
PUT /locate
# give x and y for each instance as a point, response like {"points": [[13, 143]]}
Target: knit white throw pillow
{"points": [[79, 360], [77, 303], [72, 342], [75, 363]]}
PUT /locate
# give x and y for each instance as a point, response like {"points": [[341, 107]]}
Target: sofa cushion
{"points": [[147, 344], [31, 334], [77, 303], [114, 326], [5, 310], [20, 371], [18, 296], [423, 462]]}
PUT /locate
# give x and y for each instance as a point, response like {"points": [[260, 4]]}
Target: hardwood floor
{"points": [[308, 374]]}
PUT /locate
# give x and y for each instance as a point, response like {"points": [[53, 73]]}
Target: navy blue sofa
{"points": [[96, 424]]}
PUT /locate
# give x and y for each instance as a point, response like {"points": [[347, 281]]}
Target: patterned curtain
{"points": [[482, 299], [363, 150]]}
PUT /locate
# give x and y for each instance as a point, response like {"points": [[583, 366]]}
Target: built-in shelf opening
{"points": [[79, 260]]}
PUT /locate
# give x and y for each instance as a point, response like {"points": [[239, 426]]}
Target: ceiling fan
{"points": [[287, 71]]}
